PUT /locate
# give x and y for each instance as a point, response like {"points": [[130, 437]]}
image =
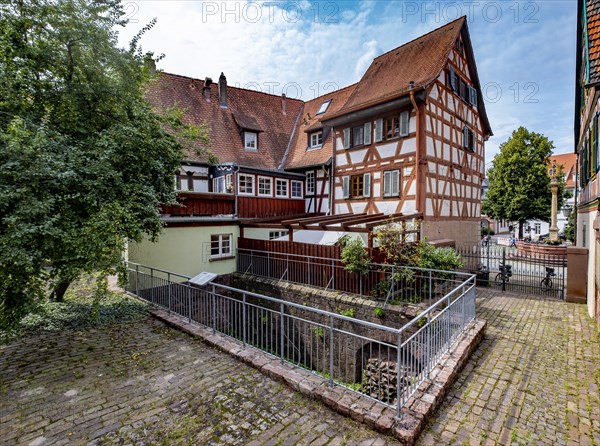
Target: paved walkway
{"points": [[534, 380], [146, 384]]}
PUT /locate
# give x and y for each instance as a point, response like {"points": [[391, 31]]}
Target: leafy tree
{"points": [[519, 182], [570, 226], [84, 161]]}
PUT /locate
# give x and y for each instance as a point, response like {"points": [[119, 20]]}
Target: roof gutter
{"points": [[287, 149], [374, 110]]}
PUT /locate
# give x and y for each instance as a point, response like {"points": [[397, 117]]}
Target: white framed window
{"points": [[265, 186], [296, 189], [391, 183], [218, 185], [310, 183], [323, 107], [246, 184], [229, 182], [281, 188], [251, 141], [316, 139], [538, 228], [277, 234], [220, 245]]}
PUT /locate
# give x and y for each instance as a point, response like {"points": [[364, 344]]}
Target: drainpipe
{"points": [[235, 189], [417, 152], [332, 172]]}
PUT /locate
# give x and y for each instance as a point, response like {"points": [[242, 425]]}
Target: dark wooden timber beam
{"points": [[393, 218], [345, 218]]}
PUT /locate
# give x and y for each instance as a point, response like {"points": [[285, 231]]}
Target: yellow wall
{"points": [[185, 250]]}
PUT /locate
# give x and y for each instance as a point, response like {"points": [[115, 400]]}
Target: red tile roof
{"points": [[255, 110], [420, 60], [283, 139], [593, 25], [298, 155], [569, 163]]}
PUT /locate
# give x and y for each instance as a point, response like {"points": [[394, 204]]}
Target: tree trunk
{"points": [[58, 293], [521, 222]]}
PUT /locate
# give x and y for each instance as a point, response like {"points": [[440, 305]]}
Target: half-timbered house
{"points": [[587, 112], [411, 136], [406, 141]]}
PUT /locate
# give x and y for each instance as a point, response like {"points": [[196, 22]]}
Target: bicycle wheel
{"points": [[546, 284], [498, 279]]}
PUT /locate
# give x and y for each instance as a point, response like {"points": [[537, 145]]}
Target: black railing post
{"points": [[503, 273]]}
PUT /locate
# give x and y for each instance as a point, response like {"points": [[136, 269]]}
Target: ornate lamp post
{"points": [[554, 187]]}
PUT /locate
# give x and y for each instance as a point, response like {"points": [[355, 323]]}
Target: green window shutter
{"points": [[595, 143]]}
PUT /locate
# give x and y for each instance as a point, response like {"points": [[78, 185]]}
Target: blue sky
{"points": [[525, 50]]}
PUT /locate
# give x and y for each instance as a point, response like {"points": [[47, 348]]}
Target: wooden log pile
{"points": [[380, 380]]}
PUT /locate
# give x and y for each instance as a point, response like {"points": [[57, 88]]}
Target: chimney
{"points": [[283, 110], [411, 85], [150, 62], [223, 91], [206, 89]]}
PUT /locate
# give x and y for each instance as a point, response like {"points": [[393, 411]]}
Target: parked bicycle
{"points": [[546, 283], [504, 275]]}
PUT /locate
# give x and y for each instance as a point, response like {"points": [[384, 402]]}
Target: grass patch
{"points": [[82, 308]]}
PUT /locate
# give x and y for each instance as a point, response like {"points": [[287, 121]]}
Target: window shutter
{"points": [[346, 187], [367, 185], [367, 133], [347, 138], [452, 75], [473, 96], [387, 184], [404, 120], [465, 137], [595, 130], [379, 130], [396, 183]]}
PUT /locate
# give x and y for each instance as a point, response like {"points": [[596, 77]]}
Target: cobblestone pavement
{"points": [[144, 383], [534, 379]]}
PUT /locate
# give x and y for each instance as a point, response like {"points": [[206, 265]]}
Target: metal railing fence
{"points": [[528, 269], [382, 363], [383, 282]]}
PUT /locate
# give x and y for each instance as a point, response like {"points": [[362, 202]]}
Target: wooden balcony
{"points": [[200, 204], [257, 207]]}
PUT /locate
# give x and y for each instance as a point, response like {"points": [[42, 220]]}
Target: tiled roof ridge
{"points": [[339, 90], [447, 25], [231, 86]]}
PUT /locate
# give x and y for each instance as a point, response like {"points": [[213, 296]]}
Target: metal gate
{"points": [[530, 271]]}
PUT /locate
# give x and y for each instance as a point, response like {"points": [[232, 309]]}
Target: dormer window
{"points": [[324, 107], [316, 139], [251, 141]]}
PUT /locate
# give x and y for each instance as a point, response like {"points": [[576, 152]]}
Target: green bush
{"points": [[446, 259], [355, 257], [379, 312], [488, 231]]}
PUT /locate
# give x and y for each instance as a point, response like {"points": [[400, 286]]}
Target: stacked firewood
{"points": [[380, 380]]}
